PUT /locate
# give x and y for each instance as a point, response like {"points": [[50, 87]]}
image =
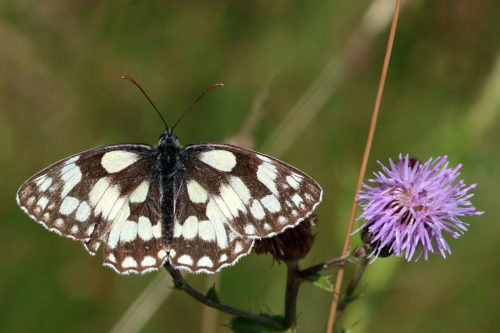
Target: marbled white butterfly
{"points": [[199, 207]]}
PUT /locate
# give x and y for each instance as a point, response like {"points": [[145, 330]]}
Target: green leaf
{"points": [[244, 325], [320, 281], [212, 294]]}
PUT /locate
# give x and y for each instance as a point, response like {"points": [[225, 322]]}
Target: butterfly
{"points": [[198, 207]]}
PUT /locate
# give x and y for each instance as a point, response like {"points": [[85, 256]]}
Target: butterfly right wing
{"points": [[92, 197]]}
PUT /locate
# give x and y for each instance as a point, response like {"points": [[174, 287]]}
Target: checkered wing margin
{"points": [[103, 195], [230, 196]]}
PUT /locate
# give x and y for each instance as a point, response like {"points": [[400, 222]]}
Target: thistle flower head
{"points": [[412, 206]]}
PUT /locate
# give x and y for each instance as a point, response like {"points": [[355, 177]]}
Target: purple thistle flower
{"points": [[412, 206]]}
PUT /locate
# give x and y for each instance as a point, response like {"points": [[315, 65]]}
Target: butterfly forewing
{"points": [[84, 196], [257, 195]]}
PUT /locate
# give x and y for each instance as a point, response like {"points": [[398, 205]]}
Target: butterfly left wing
{"points": [[256, 195], [201, 241]]}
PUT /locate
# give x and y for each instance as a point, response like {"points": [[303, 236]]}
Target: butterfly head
{"points": [[169, 139]]}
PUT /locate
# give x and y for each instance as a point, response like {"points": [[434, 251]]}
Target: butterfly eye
{"points": [[162, 136]]}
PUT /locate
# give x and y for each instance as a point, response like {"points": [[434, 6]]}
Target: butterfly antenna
{"points": [[194, 103], [149, 99]]}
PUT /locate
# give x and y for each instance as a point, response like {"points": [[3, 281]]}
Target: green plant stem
{"points": [[292, 289], [180, 283], [295, 277]]}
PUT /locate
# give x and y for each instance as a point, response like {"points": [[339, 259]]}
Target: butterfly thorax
{"points": [[169, 150]]}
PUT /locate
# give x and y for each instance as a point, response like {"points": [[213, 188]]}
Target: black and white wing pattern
{"points": [[231, 196], [199, 207], [104, 195]]}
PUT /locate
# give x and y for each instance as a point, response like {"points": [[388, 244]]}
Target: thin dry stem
{"points": [[366, 154]]}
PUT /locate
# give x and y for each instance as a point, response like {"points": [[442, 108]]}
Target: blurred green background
{"points": [[60, 93]]}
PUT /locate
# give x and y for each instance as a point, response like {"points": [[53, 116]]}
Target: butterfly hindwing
{"points": [[201, 241], [257, 195], [135, 240]]}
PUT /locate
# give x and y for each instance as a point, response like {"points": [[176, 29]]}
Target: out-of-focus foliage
{"points": [[60, 93]]}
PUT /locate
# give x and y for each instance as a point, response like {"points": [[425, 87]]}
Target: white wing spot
{"points": [[196, 192], [59, 223], [172, 253], [177, 229], [40, 179], [157, 230], [111, 257], [45, 184], [83, 212], [68, 205], [205, 262], [140, 193], [264, 158], [206, 230], [185, 259], [221, 160], [249, 229], [282, 219], [295, 213], [108, 201], [72, 160], [46, 216], [162, 254], [116, 227], [292, 182], [241, 189], [90, 229], [98, 190], [144, 228], [222, 206], [267, 226], [118, 160], [71, 176], [271, 203], [232, 200], [223, 258], [148, 261], [237, 247], [257, 210], [119, 204], [297, 200], [30, 201], [267, 173], [129, 262], [309, 197], [74, 229], [190, 227], [42, 202], [218, 219], [128, 231]]}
